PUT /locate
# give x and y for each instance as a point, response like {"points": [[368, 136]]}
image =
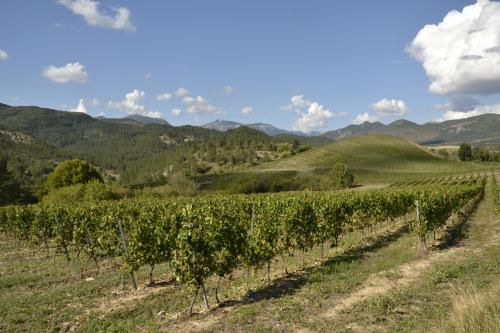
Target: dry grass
{"points": [[475, 311]]}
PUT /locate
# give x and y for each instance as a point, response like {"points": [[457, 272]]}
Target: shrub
{"points": [[182, 185], [465, 152], [340, 176], [72, 172], [92, 191]]}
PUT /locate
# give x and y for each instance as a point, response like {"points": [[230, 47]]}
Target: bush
{"points": [[67, 195], [340, 176], [182, 185], [465, 152], [72, 172], [92, 191]]}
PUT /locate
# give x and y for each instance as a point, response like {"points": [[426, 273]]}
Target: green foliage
{"points": [[205, 236], [182, 185], [465, 152], [341, 176], [72, 172], [138, 153], [94, 190], [11, 191]]}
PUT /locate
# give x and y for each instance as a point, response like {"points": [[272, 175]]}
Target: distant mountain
{"points": [[126, 147], [479, 130], [224, 125], [135, 119], [147, 120]]}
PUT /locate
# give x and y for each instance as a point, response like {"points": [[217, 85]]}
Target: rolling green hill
{"points": [[373, 158]]}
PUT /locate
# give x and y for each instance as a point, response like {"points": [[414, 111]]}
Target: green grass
{"points": [[376, 158]]}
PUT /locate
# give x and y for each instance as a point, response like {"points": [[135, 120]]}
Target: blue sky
{"points": [[344, 61]]}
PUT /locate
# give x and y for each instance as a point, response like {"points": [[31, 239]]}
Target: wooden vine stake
{"points": [[125, 247], [421, 243]]}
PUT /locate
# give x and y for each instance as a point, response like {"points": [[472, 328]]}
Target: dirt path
{"points": [[379, 284]]}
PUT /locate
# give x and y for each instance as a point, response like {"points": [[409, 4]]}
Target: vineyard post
{"points": [[66, 253], [125, 247], [249, 244], [420, 240]]}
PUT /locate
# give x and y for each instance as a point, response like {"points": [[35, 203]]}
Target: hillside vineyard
{"points": [[206, 236]]}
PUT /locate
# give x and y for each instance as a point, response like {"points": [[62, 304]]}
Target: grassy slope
{"points": [[375, 158]]}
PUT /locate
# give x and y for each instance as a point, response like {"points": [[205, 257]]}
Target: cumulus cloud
{"points": [[72, 72], [364, 117], [476, 111], [297, 104], [461, 54], [389, 107], [199, 105], [164, 97], [246, 110], [81, 107], [90, 12], [131, 105], [181, 92], [3, 55], [176, 112], [315, 118], [229, 90], [313, 115]]}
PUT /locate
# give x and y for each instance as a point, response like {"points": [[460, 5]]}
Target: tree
{"points": [[481, 154], [72, 172], [11, 191], [465, 152], [340, 176]]}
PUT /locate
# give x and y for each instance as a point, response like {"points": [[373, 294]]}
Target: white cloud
{"points": [[72, 72], [164, 97], [314, 119], [313, 116], [131, 105], [297, 103], [148, 76], [176, 112], [89, 10], [3, 55], [181, 92], [199, 105], [389, 107], [461, 54], [364, 117], [229, 90], [476, 111], [81, 107], [246, 110]]}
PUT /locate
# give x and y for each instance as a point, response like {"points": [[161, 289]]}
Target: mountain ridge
{"points": [[481, 130], [224, 125]]}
